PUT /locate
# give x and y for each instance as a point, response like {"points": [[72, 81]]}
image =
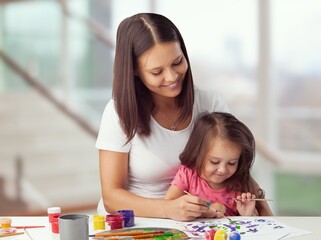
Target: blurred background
{"points": [[56, 60]]}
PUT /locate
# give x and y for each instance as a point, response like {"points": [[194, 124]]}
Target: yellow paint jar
{"points": [[5, 223], [220, 235], [99, 222]]}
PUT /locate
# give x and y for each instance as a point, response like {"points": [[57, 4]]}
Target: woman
{"points": [[146, 124]]}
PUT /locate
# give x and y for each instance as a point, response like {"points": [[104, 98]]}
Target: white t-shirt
{"points": [[153, 160]]}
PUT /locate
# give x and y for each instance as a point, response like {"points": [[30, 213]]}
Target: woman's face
{"points": [[162, 69], [221, 162]]}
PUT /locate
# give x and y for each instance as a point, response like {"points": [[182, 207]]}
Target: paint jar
{"points": [[234, 236], [99, 222], [220, 235], [209, 235], [55, 224], [53, 215], [115, 221], [129, 218], [5, 223], [53, 212]]}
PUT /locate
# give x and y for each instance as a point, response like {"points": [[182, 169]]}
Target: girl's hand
{"points": [[186, 208], [216, 210], [245, 204]]}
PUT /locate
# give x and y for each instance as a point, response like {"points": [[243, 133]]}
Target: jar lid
{"points": [[126, 213], [114, 217], [54, 210], [99, 217]]}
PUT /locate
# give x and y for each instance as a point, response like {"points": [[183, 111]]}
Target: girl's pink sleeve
{"points": [[181, 179]]}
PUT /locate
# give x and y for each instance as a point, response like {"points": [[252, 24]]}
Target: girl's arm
{"points": [[113, 177], [173, 192]]}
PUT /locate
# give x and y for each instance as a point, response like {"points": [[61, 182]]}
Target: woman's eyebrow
{"points": [[156, 68]]}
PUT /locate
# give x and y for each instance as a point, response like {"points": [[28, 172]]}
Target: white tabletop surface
{"points": [[312, 224]]}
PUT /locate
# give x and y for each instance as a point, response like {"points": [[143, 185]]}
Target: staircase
{"points": [[56, 159]]}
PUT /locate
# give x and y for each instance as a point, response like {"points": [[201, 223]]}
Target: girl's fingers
{"points": [[246, 197]]}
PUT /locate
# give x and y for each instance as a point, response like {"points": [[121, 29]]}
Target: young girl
{"points": [[215, 166]]}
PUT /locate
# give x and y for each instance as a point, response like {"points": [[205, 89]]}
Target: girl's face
{"points": [[221, 162], [162, 69]]}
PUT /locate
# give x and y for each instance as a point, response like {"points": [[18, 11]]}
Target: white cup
{"points": [[73, 227]]}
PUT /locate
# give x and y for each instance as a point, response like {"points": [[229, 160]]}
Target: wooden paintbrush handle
{"points": [[255, 199], [10, 234], [128, 233]]}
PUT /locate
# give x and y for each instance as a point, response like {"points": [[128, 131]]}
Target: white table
{"points": [[312, 224]]}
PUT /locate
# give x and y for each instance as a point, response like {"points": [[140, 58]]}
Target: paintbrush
{"points": [[18, 227], [217, 211], [222, 215], [255, 199], [113, 238], [207, 204], [148, 235], [10, 234], [128, 233]]}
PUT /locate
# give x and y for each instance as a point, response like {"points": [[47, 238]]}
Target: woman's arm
{"points": [[113, 177]]}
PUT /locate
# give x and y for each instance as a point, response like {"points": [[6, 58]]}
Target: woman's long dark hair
{"points": [[133, 100], [207, 127]]}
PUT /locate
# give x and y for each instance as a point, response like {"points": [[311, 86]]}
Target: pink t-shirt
{"points": [[188, 180]]}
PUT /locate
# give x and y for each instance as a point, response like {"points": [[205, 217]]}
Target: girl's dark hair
{"points": [[133, 101], [223, 125]]}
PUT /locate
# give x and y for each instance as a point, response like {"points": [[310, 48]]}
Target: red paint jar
{"points": [[115, 221], [53, 212], [53, 215], [209, 235], [55, 224]]}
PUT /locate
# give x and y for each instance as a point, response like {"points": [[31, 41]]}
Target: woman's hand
{"points": [[186, 208], [245, 204]]}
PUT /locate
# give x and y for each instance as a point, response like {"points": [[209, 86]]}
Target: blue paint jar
{"points": [[129, 218], [234, 236]]}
